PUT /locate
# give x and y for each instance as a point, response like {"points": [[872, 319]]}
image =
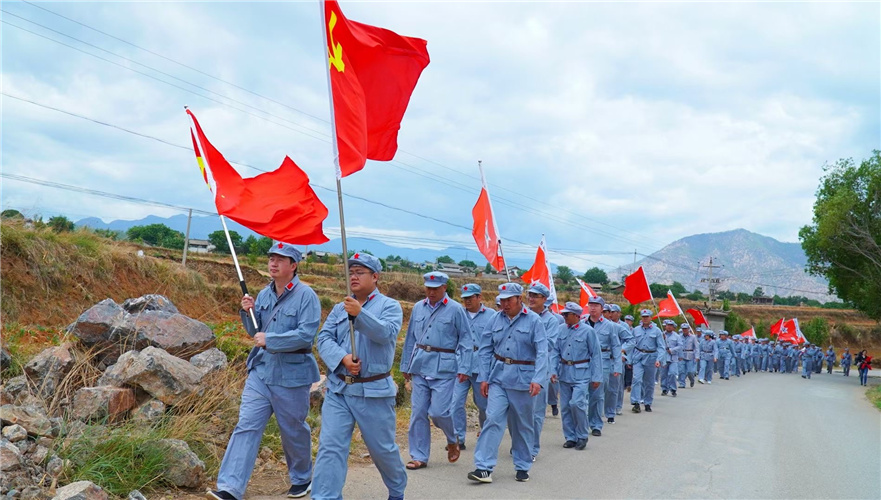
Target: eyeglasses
{"points": [[359, 274]]}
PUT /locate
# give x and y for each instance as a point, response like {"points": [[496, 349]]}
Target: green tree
{"points": [[758, 292], [60, 223], [744, 298], [816, 331], [596, 275], [678, 288], [256, 246], [488, 269], [218, 239], [468, 263], [11, 214], [565, 274], [843, 244], [659, 290], [735, 324], [445, 259], [158, 235]]}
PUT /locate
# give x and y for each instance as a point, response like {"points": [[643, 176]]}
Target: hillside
{"points": [[748, 260]]}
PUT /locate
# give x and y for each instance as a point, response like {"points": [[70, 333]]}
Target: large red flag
{"points": [[636, 287], [541, 271], [373, 72], [484, 231], [789, 332], [698, 316], [777, 327], [278, 204], [668, 308]]}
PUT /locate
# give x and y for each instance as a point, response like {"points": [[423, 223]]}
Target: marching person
{"points": [[625, 333], [647, 350], [670, 366], [808, 360], [553, 387], [536, 297], [726, 352], [513, 363], [765, 354], [818, 359], [576, 364], [846, 359], [601, 399], [478, 316], [707, 357], [687, 366], [437, 353], [281, 371], [360, 389], [830, 360], [756, 354]]}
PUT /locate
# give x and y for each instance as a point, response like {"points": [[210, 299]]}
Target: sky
{"points": [[607, 127]]}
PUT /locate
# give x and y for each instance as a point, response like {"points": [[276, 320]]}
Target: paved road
{"points": [[759, 436]]}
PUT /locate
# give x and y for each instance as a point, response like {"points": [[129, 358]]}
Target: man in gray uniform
{"points": [[646, 350], [765, 355], [478, 317], [688, 365], [625, 333], [670, 365], [437, 353], [846, 361], [830, 360], [602, 399], [537, 296], [708, 354], [281, 370]]}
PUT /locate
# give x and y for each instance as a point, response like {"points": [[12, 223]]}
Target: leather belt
{"points": [[606, 350], [353, 379], [688, 350], [428, 348], [509, 361], [302, 351], [647, 352], [707, 352], [572, 363]]}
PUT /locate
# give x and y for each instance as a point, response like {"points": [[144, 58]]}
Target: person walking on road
{"points": [[536, 297], [670, 366], [864, 367], [478, 316], [708, 354], [646, 350], [830, 359], [808, 360], [601, 399], [846, 360], [687, 366]]}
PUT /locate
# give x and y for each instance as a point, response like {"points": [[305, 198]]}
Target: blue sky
{"points": [[607, 126]]}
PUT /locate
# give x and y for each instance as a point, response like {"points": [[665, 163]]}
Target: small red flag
{"points": [[668, 308], [485, 234], [279, 204], [373, 72], [776, 328], [636, 287], [586, 293], [698, 316], [749, 333], [541, 271]]}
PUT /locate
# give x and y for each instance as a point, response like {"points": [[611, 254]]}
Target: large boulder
{"points": [[105, 327], [47, 369], [10, 456], [180, 335], [210, 361], [102, 402], [31, 418], [182, 467], [80, 490], [166, 377], [149, 302]]}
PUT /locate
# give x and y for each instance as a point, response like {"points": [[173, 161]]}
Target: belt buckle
{"points": [[427, 348], [509, 361], [350, 379]]}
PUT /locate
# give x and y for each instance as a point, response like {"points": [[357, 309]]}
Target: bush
{"points": [[847, 332], [817, 331], [735, 324]]}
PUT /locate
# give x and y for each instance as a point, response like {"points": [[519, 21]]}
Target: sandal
{"points": [[416, 464]]}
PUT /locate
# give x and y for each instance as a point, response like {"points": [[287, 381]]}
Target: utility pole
{"points": [[187, 238], [710, 281]]}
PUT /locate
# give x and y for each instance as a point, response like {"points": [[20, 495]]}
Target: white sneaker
{"points": [[700, 381]]}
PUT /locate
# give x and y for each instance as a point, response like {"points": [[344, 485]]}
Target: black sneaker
{"points": [[569, 444], [300, 491], [522, 476], [635, 408], [554, 410], [219, 495], [648, 408], [597, 432], [663, 393], [462, 446], [692, 382], [581, 444], [610, 420], [673, 394], [481, 476]]}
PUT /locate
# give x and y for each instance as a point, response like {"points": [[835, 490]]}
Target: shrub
{"points": [[817, 331]]}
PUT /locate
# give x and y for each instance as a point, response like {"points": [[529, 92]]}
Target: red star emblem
{"points": [[504, 287], [445, 301], [355, 256], [281, 245], [465, 288]]}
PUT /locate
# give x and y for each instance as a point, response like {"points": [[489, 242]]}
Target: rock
{"points": [[136, 495], [316, 393], [210, 361], [47, 369], [97, 403], [55, 466], [177, 334], [104, 326], [150, 411], [5, 359], [149, 302], [32, 493], [183, 468], [10, 456], [80, 490], [14, 390], [166, 377], [13, 493], [39, 454], [14, 433], [31, 418], [24, 446]]}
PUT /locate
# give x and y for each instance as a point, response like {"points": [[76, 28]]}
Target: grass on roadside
{"points": [[874, 395]]}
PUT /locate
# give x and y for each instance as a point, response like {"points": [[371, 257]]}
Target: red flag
{"points": [[668, 308], [789, 331], [541, 271], [698, 316], [586, 293], [776, 328], [636, 287], [373, 72], [278, 204], [484, 231], [749, 333]]}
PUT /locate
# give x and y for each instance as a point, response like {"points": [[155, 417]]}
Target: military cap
{"points": [[507, 290], [470, 289], [607, 307], [629, 317], [596, 300], [685, 326], [645, 312], [572, 308], [285, 250], [366, 260], [435, 279], [615, 308], [539, 288]]}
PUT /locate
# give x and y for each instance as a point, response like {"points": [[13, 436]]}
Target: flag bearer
{"points": [[601, 400], [688, 368], [281, 370], [478, 316], [360, 391], [513, 363], [707, 357], [646, 350], [670, 366], [437, 351]]}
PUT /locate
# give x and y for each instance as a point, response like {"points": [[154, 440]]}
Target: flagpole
{"points": [[493, 212], [232, 249], [339, 187]]}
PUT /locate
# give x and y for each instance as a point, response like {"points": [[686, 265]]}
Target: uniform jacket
{"points": [[610, 344], [477, 324], [708, 350], [690, 346], [522, 338], [649, 339], [444, 326], [577, 343]]}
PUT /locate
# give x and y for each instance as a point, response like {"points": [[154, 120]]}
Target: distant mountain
{"points": [[748, 260], [200, 227]]}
